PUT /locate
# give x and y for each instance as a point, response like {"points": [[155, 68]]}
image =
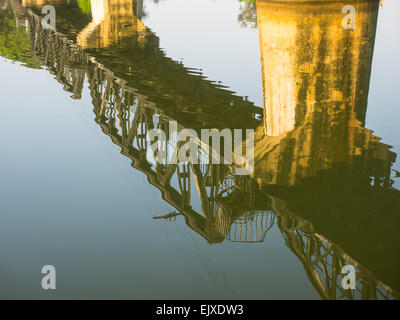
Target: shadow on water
{"points": [[319, 174]]}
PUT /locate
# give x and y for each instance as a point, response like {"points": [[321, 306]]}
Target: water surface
{"points": [[78, 193]]}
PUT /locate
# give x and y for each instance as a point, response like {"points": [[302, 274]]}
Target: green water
{"points": [[78, 192]]}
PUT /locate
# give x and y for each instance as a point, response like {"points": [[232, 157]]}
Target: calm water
{"points": [[77, 192]]}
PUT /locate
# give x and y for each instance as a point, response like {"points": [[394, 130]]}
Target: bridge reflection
{"points": [[320, 176]]}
